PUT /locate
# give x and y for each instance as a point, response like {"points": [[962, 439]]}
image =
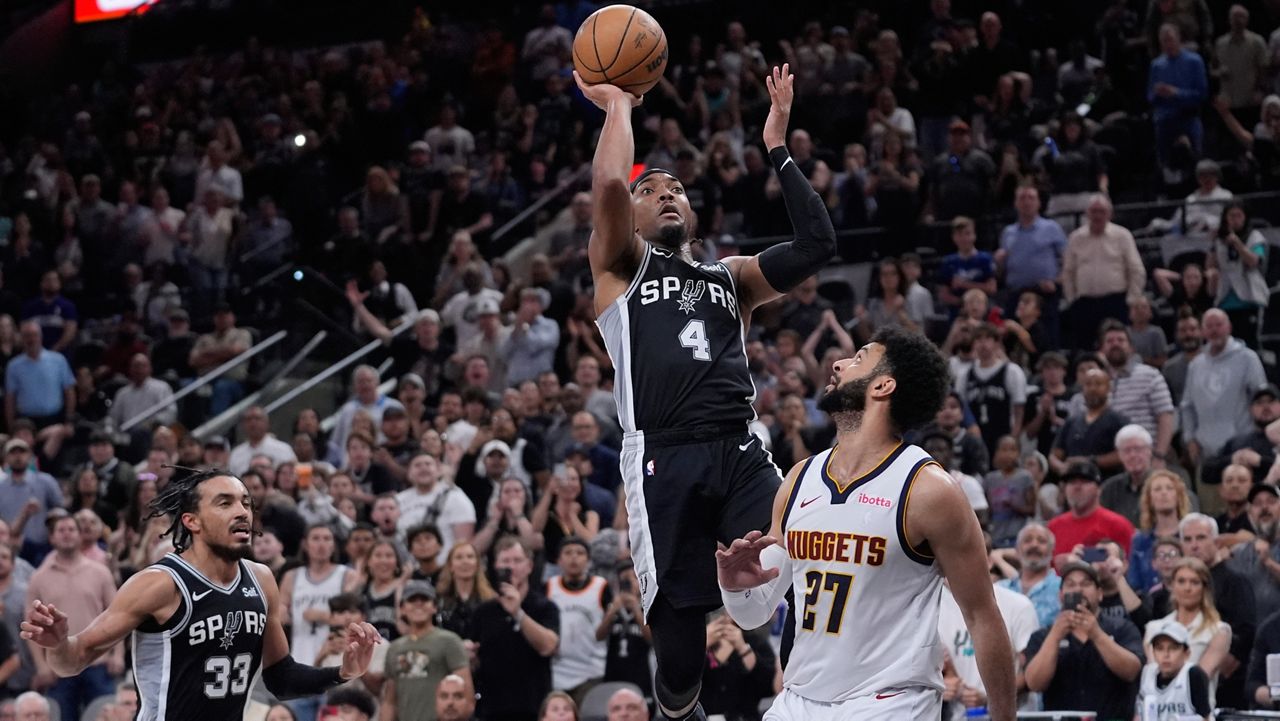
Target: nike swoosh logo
{"points": [[883, 696], [746, 445], [811, 500], [198, 596]]}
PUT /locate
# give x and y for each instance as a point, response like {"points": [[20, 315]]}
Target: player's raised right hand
{"points": [[602, 94], [738, 566], [45, 625]]}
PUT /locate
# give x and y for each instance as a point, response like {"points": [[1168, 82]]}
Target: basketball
{"points": [[623, 46]]}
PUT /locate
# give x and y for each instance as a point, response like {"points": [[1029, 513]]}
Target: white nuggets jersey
{"points": [[580, 657], [866, 600]]}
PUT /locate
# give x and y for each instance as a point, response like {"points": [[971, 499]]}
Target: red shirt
{"points": [[1070, 530]]}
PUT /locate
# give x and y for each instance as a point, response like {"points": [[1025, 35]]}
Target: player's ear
{"points": [[883, 387], [191, 521]]}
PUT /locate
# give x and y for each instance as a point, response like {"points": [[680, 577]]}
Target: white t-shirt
{"points": [[972, 488], [276, 449], [1020, 621], [455, 508]]}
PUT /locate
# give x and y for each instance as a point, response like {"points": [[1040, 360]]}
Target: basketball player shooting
{"points": [[694, 476], [865, 532], [203, 618]]}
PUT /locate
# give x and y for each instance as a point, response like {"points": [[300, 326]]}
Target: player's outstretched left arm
{"points": [[285, 677], [765, 277], [940, 516]]}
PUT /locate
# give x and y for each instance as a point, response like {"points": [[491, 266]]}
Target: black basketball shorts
{"points": [[686, 491]]}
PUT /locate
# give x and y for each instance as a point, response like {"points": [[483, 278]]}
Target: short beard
{"points": [[847, 403], [1267, 530], [232, 553], [1035, 564], [671, 237]]}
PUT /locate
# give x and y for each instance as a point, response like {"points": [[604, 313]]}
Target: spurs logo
{"points": [[691, 295], [234, 620]]}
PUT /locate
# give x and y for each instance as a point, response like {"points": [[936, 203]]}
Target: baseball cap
{"points": [[1085, 470], [958, 125], [1259, 488], [100, 437], [486, 306], [1073, 566], [271, 118], [217, 442], [578, 449], [179, 314], [419, 145], [412, 379], [1171, 630], [15, 443], [391, 411], [418, 588], [1267, 390], [495, 446]]}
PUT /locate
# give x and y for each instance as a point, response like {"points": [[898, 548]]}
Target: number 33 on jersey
{"points": [[676, 337]]}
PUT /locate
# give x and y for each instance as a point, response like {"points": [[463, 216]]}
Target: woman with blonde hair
{"points": [[462, 587], [384, 212], [1191, 598], [1162, 504]]}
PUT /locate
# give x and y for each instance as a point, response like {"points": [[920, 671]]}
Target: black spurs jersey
{"points": [[201, 664], [676, 340]]}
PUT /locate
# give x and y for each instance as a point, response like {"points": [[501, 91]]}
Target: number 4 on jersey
{"points": [[694, 337]]}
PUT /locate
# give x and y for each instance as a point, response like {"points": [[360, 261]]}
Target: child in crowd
{"points": [[1148, 340], [1010, 493], [1172, 688]]}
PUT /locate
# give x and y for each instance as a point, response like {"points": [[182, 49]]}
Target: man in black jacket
{"points": [[1234, 598]]}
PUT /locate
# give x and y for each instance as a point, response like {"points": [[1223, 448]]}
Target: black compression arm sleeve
{"points": [[786, 265], [288, 679]]}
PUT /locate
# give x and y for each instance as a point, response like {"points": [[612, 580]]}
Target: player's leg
{"points": [[680, 644]]}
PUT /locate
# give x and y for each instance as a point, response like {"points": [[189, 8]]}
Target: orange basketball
{"points": [[623, 46]]}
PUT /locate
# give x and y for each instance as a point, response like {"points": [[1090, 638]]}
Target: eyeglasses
{"points": [[1168, 555]]}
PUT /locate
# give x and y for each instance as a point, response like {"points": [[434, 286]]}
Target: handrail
{"points": [[994, 217], [204, 380], [352, 357], [537, 205], [217, 422]]}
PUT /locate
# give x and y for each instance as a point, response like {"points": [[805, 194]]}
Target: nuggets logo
{"points": [[831, 546]]}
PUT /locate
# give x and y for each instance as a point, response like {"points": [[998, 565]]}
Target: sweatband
{"points": [[754, 607], [287, 679], [786, 265], [649, 171]]}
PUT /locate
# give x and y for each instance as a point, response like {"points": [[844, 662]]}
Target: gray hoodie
{"points": [[1215, 402]]}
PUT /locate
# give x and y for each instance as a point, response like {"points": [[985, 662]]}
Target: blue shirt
{"points": [[13, 496], [37, 384], [1184, 71], [977, 268], [1044, 596], [1142, 575], [52, 316], [1035, 252]]}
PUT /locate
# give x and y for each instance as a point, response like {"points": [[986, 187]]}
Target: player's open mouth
{"points": [[242, 533], [669, 209]]}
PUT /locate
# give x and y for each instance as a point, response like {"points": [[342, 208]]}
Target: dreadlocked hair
{"points": [[179, 496]]}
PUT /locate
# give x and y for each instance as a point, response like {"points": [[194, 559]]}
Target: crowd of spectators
{"points": [[474, 513]]}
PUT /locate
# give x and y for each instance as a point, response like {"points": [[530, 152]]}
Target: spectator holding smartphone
{"points": [[1085, 662], [518, 633]]}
